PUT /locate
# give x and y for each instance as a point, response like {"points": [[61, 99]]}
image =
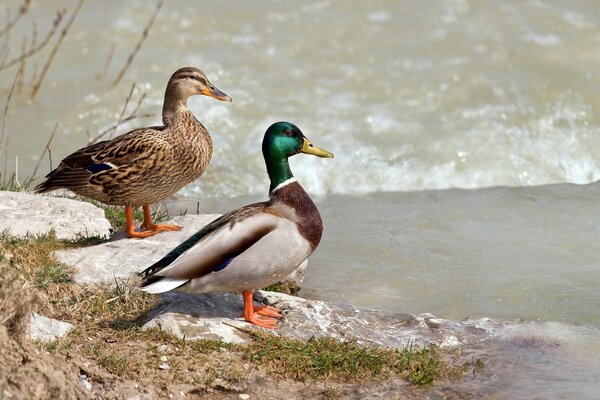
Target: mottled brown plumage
{"points": [[146, 165]]}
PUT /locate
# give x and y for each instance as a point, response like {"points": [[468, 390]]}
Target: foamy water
{"points": [[409, 96]]}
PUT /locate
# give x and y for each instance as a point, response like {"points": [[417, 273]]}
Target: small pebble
{"points": [[244, 396], [164, 366], [163, 358], [434, 322]]}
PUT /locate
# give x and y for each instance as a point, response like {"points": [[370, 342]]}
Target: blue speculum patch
{"points": [[95, 168], [223, 265]]}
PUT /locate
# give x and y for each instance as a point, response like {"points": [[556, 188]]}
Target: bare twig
{"points": [[50, 157], [114, 127], [22, 11], [63, 33], [122, 119], [47, 148], [12, 89], [109, 58], [5, 49], [138, 45], [40, 45]]}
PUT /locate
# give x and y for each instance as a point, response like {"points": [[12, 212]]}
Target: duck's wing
{"points": [[214, 246], [96, 163]]}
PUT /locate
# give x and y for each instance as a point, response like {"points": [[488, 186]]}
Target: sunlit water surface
{"points": [[411, 97]]}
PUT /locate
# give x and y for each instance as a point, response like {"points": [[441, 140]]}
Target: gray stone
{"points": [[217, 316], [211, 316], [47, 329], [121, 257], [23, 214]]}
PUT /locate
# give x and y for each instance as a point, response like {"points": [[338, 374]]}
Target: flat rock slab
{"points": [[23, 214], [47, 329], [121, 257], [217, 316]]}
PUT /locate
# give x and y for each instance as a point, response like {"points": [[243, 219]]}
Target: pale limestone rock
{"points": [[23, 214], [211, 316], [47, 329], [122, 258], [217, 316]]}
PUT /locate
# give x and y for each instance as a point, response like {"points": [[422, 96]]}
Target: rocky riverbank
{"points": [[105, 317]]}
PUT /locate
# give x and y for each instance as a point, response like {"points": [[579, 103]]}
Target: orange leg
{"points": [[253, 317], [156, 227], [130, 227]]}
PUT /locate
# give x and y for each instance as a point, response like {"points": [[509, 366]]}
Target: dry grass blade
{"points": [[113, 128], [61, 38], [5, 113], [38, 47], [12, 22], [47, 148], [108, 61], [138, 45]]}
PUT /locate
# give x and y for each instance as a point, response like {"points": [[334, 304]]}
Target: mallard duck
{"points": [[146, 165], [254, 246]]}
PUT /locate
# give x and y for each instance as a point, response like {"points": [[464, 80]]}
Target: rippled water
{"points": [[411, 97]]}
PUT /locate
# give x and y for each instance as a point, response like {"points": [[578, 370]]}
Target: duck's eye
{"points": [[288, 132]]}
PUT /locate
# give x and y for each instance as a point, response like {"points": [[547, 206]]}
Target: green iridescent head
{"points": [[283, 140]]}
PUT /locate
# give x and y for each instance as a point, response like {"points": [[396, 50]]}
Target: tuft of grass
{"points": [[12, 184], [52, 274], [330, 359], [317, 358], [420, 365]]}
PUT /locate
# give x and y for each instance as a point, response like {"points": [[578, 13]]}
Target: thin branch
{"points": [[12, 89], [5, 49], [108, 61], [138, 45], [41, 45], [22, 11], [47, 148], [36, 86], [115, 126], [112, 129]]}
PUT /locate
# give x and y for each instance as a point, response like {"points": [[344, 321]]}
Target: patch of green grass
{"points": [[44, 276], [12, 184], [330, 359], [422, 365], [113, 362], [54, 346], [317, 358]]}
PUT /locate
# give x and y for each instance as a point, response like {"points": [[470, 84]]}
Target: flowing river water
{"points": [[460, 129]]}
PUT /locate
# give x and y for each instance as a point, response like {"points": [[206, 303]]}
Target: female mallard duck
{"points": [[254, 246], [146, 165]]}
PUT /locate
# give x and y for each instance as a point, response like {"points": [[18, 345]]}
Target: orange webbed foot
{"points": [[141, 234], [263, 322], [268, 311], [162, 227]]}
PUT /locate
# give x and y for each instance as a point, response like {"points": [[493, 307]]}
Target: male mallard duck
{"points": [[254, 246], [146, 165]]}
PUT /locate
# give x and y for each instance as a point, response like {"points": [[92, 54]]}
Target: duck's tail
{"points": [[160, 284]]}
